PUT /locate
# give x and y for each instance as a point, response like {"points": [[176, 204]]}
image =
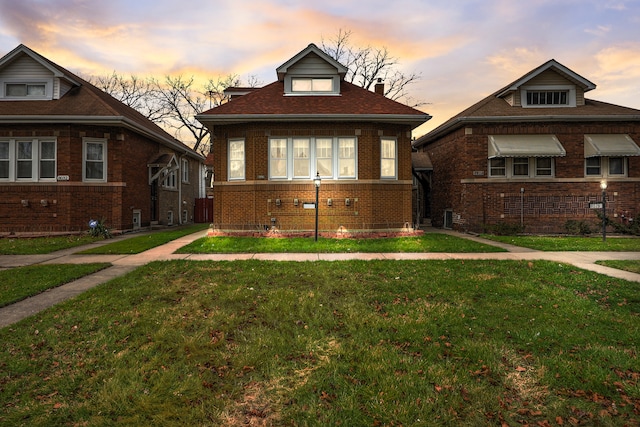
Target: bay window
{"points": [[303, 157]]}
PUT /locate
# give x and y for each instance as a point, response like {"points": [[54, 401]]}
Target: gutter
{"points": [[459, 122], [105, 120]]}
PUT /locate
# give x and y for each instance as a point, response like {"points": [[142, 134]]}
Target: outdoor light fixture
{"points": [[316, 182], [603, 186]]}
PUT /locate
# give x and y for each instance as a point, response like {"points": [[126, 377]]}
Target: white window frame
{"points": [[605, 167], [170, 179], [35, 160], [312, 85], [388, 156], [48, 89], [103, 143], [288, 156], [184, 166], [509, 166], [571, 95], [236, 159]]}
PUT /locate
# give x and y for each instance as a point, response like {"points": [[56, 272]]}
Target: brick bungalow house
{"points": [[533, 153], [270, 143], [70, 153]]}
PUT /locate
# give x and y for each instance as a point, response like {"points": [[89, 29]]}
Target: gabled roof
{"points": [[554, 65], [269, 103], [24, 50], [312, 48], [494, 109], [83, 104]]}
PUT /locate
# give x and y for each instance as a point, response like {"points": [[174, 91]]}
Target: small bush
{"points": [[504, 229], [99, 229], [576, 227]]}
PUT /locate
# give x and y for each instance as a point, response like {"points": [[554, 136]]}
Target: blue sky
{"points": [[462, 49]]}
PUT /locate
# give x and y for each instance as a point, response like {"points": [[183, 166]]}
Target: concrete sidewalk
{"points": [[122, 264]]}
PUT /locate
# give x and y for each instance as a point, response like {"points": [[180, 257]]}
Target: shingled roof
{"points": [[494, 109], [83, 104]]}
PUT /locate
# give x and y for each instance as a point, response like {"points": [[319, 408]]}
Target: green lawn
{"points": [[353, 343], [22, 282], [42, 245], [429, 242], [546, 243], [138, 244], [632, 266]]}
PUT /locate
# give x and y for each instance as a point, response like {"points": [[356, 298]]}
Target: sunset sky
{"points": [[462, 49]]}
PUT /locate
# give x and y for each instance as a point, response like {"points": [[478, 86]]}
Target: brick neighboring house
{"points": [[70, 153], [533, 153], [269, 143]]}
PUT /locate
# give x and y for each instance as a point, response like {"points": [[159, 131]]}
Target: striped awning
{"points": [[610, 145], [525, 146]]}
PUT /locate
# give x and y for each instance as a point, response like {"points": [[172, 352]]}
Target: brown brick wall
{"points": [[374, 203], [71, 204], [546, 205]]}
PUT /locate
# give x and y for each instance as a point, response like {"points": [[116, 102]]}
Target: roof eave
{"points": [[459, 122], [407, 119], [103, 120]]}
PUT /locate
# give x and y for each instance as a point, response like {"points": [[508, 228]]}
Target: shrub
{"points": [[99, 229], [576, 227], [504, 229]]}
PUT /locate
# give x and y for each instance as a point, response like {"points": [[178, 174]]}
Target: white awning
{"points": [[610, 145], [525, 146]]}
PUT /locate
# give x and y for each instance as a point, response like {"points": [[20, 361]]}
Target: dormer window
{"points": [[25, 90], [311, 84], [547, 97], [540, 96]]}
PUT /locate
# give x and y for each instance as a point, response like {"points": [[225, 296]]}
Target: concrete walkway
{"points": [[122, 264]]}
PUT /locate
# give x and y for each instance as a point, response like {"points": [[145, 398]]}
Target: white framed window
{"points": [[522, 167], [169, 180], [94, 160], [237, 160], [498, 167], [324, 157], [347, 158], [278, 158], [184, 167], [312, 84], [544, 166], [388, 158], [540, 96], [28, 159], [26, 89], [605, 166], [303, 157]]}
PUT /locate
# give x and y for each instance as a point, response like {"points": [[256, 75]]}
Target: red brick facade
{"points": [[68, 205], [461, 185], [259, 203]]}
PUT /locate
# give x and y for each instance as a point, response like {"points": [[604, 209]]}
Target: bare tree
{"points": [[172, 103], [368, 64]]}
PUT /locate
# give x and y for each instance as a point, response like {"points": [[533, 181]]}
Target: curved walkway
{"points": [[122, 264]]}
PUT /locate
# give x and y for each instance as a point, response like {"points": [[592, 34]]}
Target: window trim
{"points": [[101, 141], [394, 158], [47, 83], [532, 168], [35, 160], [288, 157], [184, 166], [242, 161], [570, 89], [605, 167], [289, 83]]}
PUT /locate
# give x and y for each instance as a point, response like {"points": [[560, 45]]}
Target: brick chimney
{"points": [[379, 87]]}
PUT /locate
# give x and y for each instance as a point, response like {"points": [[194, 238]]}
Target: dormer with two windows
{"points": [[311, 72]]}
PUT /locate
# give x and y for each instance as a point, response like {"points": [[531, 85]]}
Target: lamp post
{"points": [[603, 186], [316, 182]]}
